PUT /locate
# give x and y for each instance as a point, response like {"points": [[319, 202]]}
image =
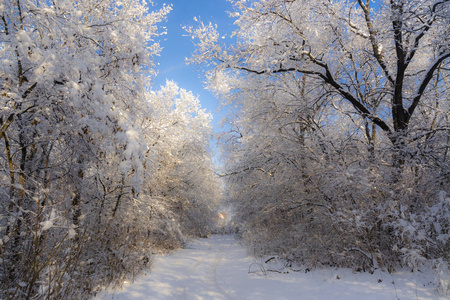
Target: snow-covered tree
{"points": [[376, 61], [78, 165], [338, 126], [179, 160]]}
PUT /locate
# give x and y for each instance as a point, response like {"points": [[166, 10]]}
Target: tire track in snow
{"points": [[218, 260], [181, 291], [204, 271]]}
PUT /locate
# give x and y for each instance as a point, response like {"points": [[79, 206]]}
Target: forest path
{"points": [[190, 273], [218, 268]]}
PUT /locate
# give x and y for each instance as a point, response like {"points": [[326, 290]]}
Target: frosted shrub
{"points": [[424, 239]]}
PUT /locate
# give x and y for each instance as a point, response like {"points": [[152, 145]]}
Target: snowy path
{"points": [[218, 268]]}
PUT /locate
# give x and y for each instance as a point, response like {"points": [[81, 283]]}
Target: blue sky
{"points": [[177, 46]]}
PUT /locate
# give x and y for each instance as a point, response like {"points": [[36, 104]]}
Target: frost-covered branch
{"points": [[429, 74]]}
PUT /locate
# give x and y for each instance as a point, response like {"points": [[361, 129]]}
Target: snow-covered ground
{"points": [[219, 268]]}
